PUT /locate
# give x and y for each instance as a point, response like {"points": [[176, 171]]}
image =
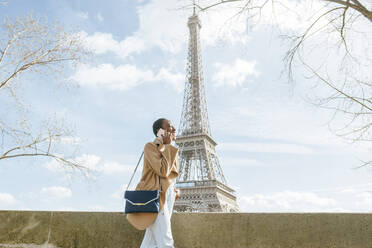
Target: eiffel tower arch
{"points": [[203, 186]]}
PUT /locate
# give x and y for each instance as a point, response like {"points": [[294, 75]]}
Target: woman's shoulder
{"points": [[150, 145], [156, 143], [151, 148]]}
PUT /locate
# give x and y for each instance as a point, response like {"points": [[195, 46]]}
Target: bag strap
{"points": [[136, 170]]}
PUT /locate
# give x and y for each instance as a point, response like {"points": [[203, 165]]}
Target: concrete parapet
{"points": [[60, 229]]}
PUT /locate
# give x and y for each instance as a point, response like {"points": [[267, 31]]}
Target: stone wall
{"points": [[34, 229]]}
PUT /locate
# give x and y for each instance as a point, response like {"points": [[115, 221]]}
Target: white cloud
{"points": [[288, 14], [177, 80], [284, 126], [90, 161], [55, 192], [119, 193], [347, 190], [114, 167], [219, 28], [62, 208], [94, 165], [83, 15], [125, 77], [7, 199], [236, 188], [156, 30], [70, 140], [100, 17], [364, 200], [288, 201], [96, 208], [218, 25], [104, 42], [240, 161], [352, 190], [87, 160], [106, 75], [235, 74], [266, 147], [346, 198]]}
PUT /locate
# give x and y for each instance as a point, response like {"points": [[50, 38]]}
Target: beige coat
{"points": [[159, 161]]}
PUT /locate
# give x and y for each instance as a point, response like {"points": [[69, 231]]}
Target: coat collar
{"points": [[158, 140]]}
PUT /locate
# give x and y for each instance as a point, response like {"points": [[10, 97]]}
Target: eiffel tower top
{"points": [[194, 117], [194, 19]]}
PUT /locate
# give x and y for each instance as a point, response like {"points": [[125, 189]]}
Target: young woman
{"points": [[160, 162]]}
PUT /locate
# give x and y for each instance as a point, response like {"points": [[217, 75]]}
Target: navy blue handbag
{"points": [[137, 201]]}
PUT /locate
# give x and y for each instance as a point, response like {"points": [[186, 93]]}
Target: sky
{"points": [[275, 148]]}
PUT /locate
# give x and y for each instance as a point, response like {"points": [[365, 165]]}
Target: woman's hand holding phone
{"points": [[160, 132], [166, 136]]}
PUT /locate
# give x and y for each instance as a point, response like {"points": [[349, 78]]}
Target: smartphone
{"points": [[160, 132]]}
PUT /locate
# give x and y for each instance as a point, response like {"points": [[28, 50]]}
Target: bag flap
{"points": [[141, 196]]}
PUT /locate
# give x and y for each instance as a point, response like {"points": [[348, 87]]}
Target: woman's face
{"points": [[168, 126]]}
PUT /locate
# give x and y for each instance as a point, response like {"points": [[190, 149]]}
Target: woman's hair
{"points": [[157, 125]]}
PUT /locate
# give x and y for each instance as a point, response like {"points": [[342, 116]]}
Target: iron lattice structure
{"points": [[201, 181]]}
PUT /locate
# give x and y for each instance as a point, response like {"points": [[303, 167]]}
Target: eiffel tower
{"points": [[203, 187]]}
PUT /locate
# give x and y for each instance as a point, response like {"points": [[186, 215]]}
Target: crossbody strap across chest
{"points": [[136, 170]]}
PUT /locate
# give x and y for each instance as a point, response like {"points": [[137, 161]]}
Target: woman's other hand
{"points": [[177, 192]]}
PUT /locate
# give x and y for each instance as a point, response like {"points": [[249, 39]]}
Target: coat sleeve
{"points": [[160, 158]]}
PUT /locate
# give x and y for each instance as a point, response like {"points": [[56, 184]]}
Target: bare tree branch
{"points": [[28, 46], [358, 7]]}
